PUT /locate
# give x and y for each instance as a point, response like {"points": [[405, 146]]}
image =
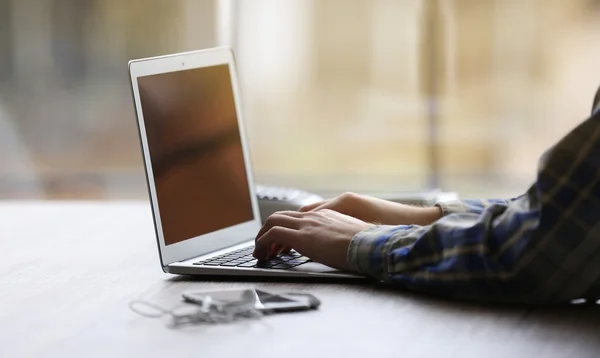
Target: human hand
{"points": [[322, 235], [376, 210]]}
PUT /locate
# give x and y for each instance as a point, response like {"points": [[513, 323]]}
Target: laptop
{"points": [[198, 171]]}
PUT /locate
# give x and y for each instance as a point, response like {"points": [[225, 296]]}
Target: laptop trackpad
{"points": [[314, 267]]}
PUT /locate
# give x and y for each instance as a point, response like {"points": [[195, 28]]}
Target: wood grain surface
{"points": [[69, 270]]}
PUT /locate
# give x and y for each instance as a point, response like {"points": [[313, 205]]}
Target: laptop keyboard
{"points": [[243, 258]]}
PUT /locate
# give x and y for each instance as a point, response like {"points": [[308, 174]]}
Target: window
{"points": [[364, 95]]}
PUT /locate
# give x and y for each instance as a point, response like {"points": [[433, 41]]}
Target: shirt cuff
{"points": [[453, 207], [367, 253]]}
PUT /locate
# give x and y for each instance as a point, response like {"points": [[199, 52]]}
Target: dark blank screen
{"points": [[196, 151]]}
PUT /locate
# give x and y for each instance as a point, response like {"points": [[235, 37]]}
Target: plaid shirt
{"points": [[540, 247]]}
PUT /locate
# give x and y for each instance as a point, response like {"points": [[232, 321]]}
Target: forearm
{"points": [[400, 214], [452, 257], [463, 255], [542, 247], [414, 215], [423, 216]]}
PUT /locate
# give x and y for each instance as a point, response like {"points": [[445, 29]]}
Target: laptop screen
{"points": [[196, 151]]}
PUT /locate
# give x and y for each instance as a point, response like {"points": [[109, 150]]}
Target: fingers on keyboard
{"points": [[243, 258]]}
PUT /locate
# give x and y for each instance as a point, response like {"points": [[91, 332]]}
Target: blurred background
{"points": [[370, 96]]}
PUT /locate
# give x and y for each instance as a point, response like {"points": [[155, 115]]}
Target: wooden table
{"points": [[69, 270]]}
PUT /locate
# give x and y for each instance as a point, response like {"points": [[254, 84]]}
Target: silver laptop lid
{"points": [[195, 152]]}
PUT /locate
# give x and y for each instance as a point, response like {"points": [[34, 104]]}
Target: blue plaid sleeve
{"points": [[541, 247], [472, 206]]}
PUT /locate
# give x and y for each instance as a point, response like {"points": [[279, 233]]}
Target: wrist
{"points": [[403, 214], [425, 215]]}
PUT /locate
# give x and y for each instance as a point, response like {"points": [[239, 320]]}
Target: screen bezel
{"points": [[220, 239]]}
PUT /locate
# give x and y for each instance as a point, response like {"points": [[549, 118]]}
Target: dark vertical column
{"points": [[68, 20], [432, 80], [6, 53]]}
